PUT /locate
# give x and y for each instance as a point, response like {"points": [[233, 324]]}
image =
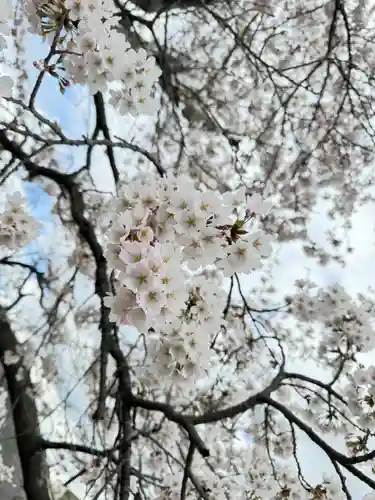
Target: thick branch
{"points": [[165, 5], [44, 444], [174, 416], [25, 418], [232, 411], [333, 455]]}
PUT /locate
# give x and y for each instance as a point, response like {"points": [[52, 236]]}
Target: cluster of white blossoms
{"points": [[181, 350], [257, 483], [360, 393], [91, 52], [346, 323], [167, 233], [17, 228]]}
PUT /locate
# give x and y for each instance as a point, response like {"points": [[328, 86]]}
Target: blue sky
{"points": [[55, 106]]}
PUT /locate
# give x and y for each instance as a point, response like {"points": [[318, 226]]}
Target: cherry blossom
{"points": [[153, 304]]}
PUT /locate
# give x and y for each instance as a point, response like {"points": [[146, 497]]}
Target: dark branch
{"points": [[25, 418]]}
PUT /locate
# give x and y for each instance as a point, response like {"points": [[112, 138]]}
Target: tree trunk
{"points": [[25, 421]]}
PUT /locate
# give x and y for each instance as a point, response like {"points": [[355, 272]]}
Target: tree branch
{"points": [[187, 422], [25, 418], [332, 454]]}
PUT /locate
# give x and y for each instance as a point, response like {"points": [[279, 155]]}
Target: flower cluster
{"points": [[17, 228], [181, 350], [361, 395], [169, 230], [347, 324], [91, 52]]}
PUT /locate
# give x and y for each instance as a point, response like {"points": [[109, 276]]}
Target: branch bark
{"points": [[165, 5], [25, 418], [332, 454]]}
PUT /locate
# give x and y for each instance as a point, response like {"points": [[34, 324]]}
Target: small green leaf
{"points": [[239, 223]]}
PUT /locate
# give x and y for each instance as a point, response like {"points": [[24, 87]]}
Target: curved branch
{"points": [[332, 454], [186, 421], [247, 404]]}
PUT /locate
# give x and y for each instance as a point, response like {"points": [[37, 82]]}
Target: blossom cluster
{"points": [[361, 395], [89, 51], [256, 483], [181, 350], [167, 233], [345, 321], [17, 228]]}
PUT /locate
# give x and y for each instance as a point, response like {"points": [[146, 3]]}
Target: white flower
{"points": [[235, 200], [197, 348], [152, 300], [146, 195], [86, 44], [139, 278], [75, 9], [257, 205], [151, 71], [169, 277], [132, 252], [189, 222], [332, 487], [179, 200], [6, 472], [213, 244], [111, 254], [140, 214], [120, 230], [145, 235], [137, 318], [16, 227], [117, 41], [262, 242], [243, 257], [208, 203], [361, 377], [75, 67], [193, 249], [124, 309], [176, 299], [143, 102], [154, 261], [121, 303], [163, 357], [170, 254], [162, 225], [96, 83]]}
